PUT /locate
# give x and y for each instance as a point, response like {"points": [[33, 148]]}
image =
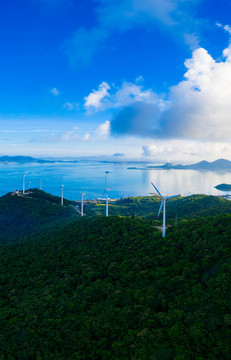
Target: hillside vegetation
{"points": [[112, 288], [34, 213], [100, 288], [194, 206]]}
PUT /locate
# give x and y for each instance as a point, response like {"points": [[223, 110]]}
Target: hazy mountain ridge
{"points": [[220, 164], [22, 159], [29, 159]]}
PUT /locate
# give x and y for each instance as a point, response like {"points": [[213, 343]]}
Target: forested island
{"points": [[112, 288], [223, 187]]}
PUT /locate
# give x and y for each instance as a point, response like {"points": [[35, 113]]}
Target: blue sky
{"points": [[124, 79]]}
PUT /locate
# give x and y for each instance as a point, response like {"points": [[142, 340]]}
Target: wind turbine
{"points": [[62, 195], [163, 205], [23, 184], [106, 192], [82, 203]]}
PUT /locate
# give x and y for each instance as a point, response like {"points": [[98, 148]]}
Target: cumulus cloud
{"points": [[103, 130], [126, 95], [94, 101], [136, 120], [55, 91], [69, 135], [186, 150], [86, 137], [197, 108], [53, 136]]}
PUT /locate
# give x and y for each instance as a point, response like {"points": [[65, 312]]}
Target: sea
{"points": [[92, 177]]}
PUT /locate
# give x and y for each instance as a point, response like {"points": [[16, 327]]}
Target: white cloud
{"points": [[86, 137], [185, 150], [228, 29], [94, 101], [224, 27], [55, 91], [130, 93], [198, 107], [103, 130], [69, 135], [139, 79], [127, 94]]}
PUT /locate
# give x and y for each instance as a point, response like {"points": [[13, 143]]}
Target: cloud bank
{"points": [[197, 108]]}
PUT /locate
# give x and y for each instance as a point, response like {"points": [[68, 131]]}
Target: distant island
{"points": [[223, 187], [29, 159], [220, 164], [22, 159]]}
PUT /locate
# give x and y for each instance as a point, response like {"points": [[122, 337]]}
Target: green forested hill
{"points": [[112, 288], [194, 206], [38, 211], [34, 213]]}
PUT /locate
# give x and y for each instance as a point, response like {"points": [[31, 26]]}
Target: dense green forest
{"points": [[112, 288], [36, 212], [194, 206]]}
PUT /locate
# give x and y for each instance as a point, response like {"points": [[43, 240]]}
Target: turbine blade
{"points": [[172, 196], [157, 190], [161, 205], [103, 193]]}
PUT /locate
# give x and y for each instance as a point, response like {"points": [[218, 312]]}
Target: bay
{"points": [[89, 177]]}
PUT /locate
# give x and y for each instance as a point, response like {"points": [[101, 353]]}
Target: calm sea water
{"points": [[89, 177]]}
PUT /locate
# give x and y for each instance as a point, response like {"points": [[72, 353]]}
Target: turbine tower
{"points": [[163, 205], [23, 184], [82, 203], [29, 184], [62, 195], [106, 192]]}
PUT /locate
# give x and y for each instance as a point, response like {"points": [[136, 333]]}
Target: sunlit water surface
{"points": [[89, 177]]}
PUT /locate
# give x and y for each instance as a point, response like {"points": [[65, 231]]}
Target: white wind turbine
{"points": [[23, 184], [82, 203], [163, 205], [106, 192], [62, 195]]}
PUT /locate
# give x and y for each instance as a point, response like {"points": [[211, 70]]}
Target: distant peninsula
{"points": [[22, 159], [220, 164]]}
